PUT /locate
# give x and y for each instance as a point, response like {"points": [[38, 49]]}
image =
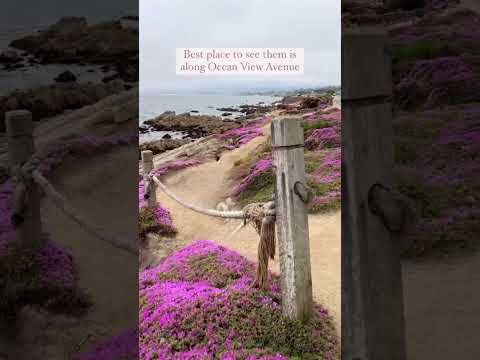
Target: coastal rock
{"points": [[143, 129], [66, 77], [304, 102], [203, 149], [227, 114], [254, 109], [68, 24], [309, 103], [167, 136], [12, 67], [48, 101], [228, 109], [160, 146], [194, 125], [9, 57], [72, 40]]}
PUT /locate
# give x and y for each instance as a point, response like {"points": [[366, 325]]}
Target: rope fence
{"points": [[260, 215], [283, 219], [29, 181]]}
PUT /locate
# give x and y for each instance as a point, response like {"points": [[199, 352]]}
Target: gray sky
{"points": [[310, 24]]}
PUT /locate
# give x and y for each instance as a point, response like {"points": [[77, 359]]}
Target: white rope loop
{"points": [[216, 213], [61, 203], [266, 210]]}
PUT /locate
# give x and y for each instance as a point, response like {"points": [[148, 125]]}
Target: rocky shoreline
{"points": [[51, 100], [73, 41], [109, 49], [195, 126], [202, 126], [82, 52]]}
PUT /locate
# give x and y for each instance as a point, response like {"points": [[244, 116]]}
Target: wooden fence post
{"points": [[147, 166], [291, 218], [372, 296], [21, 147]]}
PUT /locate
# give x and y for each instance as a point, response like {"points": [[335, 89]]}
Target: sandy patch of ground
{"points": [[442, 308]]}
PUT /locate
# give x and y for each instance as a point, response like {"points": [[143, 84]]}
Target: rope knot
{"points": [[262, 217]]}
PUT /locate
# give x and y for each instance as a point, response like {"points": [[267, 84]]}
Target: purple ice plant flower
{"points": [[161, 214], [321, 138], [122, 346], [261, 167], [199, 304], [244, 134]]}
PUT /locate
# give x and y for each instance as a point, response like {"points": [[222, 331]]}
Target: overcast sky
{"points": [[310, 24]]}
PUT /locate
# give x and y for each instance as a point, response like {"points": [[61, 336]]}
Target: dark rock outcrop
{"points": [[194, 125], [48, 101], [160, 146], [228, 109], [9, 57], [72, 40], [66, 77]]}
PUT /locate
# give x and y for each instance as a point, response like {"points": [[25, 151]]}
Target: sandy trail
{"points": [[208, 184], [442, 308], [109, 274]]}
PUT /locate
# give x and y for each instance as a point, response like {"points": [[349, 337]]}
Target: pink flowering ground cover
{"points": [[436, 68], [45, 275], [156, 220], [244, 134], [436, 64], [198, 304], [255, 179], [369, 12], [437, 157], [159, 219], [121, 347], [454, 33], [445, 80], [436, 61]]}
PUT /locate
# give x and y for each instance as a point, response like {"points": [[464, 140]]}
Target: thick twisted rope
{"points": [[210, 212], [260, 215], [61, 203]]}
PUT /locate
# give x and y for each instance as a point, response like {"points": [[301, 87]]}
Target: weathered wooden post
{"points": [[21, 147], [291, 218], [372, 296], [150, 187]]}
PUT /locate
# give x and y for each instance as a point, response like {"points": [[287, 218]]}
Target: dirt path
{"points": [[442, 308], [207, 184], [109, 274]]}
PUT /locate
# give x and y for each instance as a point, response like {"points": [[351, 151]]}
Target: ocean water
{"points": [[22, 17], [152, 105]]}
